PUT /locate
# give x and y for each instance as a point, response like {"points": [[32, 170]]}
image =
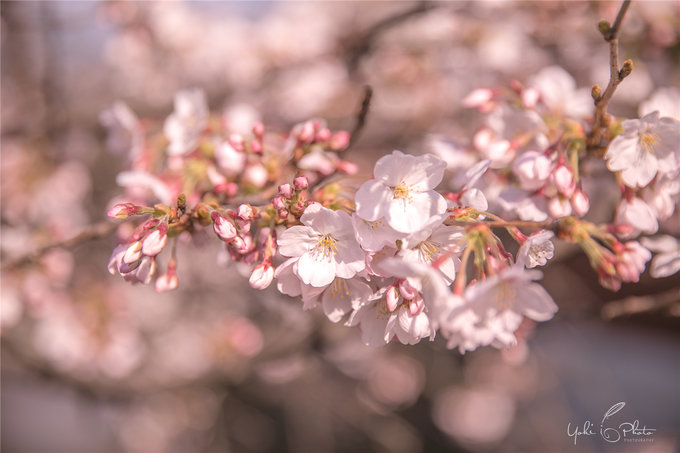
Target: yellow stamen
{"points": [[326, 247], [649, 141], [403, 191]]}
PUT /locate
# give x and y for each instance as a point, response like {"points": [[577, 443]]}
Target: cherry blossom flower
{"points": [[666, 262], [379, 325], [402, 191], [558, 92], [647, 146], [341, 297], [494, 308], [374, 235], [458, 159], [325, 246], [532, 169], [429, 283], [537, 249], [261, 276], [631, 261], [637, 214], [230, 161], [664, 100], [434, 241], [184, 125], [525, 205], [373, 317], [139, 182]]}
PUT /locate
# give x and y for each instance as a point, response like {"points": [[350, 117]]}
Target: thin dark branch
{"points": [[614, 32], [361, 116], [364, 43], [635, 305], [616, 76], [90, 233]]}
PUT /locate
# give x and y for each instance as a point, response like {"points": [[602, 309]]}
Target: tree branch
{"points": [[616, 76], [363, 44], [635, 305], [361, 116], [92, 232]]}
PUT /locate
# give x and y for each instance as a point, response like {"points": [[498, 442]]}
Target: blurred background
{"points": [[93, 364]]}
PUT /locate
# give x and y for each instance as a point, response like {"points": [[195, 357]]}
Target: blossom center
{"points": [[339, 289], [326, 247], [403, 191], [375, 224], [429, 250], [649, 141], [505, 295]]}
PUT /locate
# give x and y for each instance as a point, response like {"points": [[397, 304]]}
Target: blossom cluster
{"points": [[397, 257]]}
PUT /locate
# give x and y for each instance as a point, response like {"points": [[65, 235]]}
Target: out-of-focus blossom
{"points": [[495, 307], [647, 146], [666, 261], [638, 214], [559, 93], [184, 125], [664, 100]]}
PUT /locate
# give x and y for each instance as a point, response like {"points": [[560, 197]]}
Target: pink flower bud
{"points": [[306, 134], [153, 243], [530, 97], [580, 203], [392, 298], [215, 177], [283, 214], [166, 282], [416, 305], [123, 210], [223, 227], [256, 175], [262, 276], [564, 181], [256, 146], [244, 225], [243, 244], [146, 270], [279, 203], [245, 212], [477, 97], [347, 167], [559, 207], [301, 183], [339, 140], [133, 252], [237, 142], [406, 290], [116, 258], [230, 189], [533, 169], [229, 159], [286, 191], [323, 135], [258, 129]]}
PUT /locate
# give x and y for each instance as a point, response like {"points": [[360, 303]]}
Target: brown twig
{"points": [[365, 41], [361, 116], [635, 305], [92, 232], [547, 225], [616, 76]]}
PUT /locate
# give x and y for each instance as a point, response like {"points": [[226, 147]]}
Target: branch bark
{"points": [[90, 233], [616, 76]]}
